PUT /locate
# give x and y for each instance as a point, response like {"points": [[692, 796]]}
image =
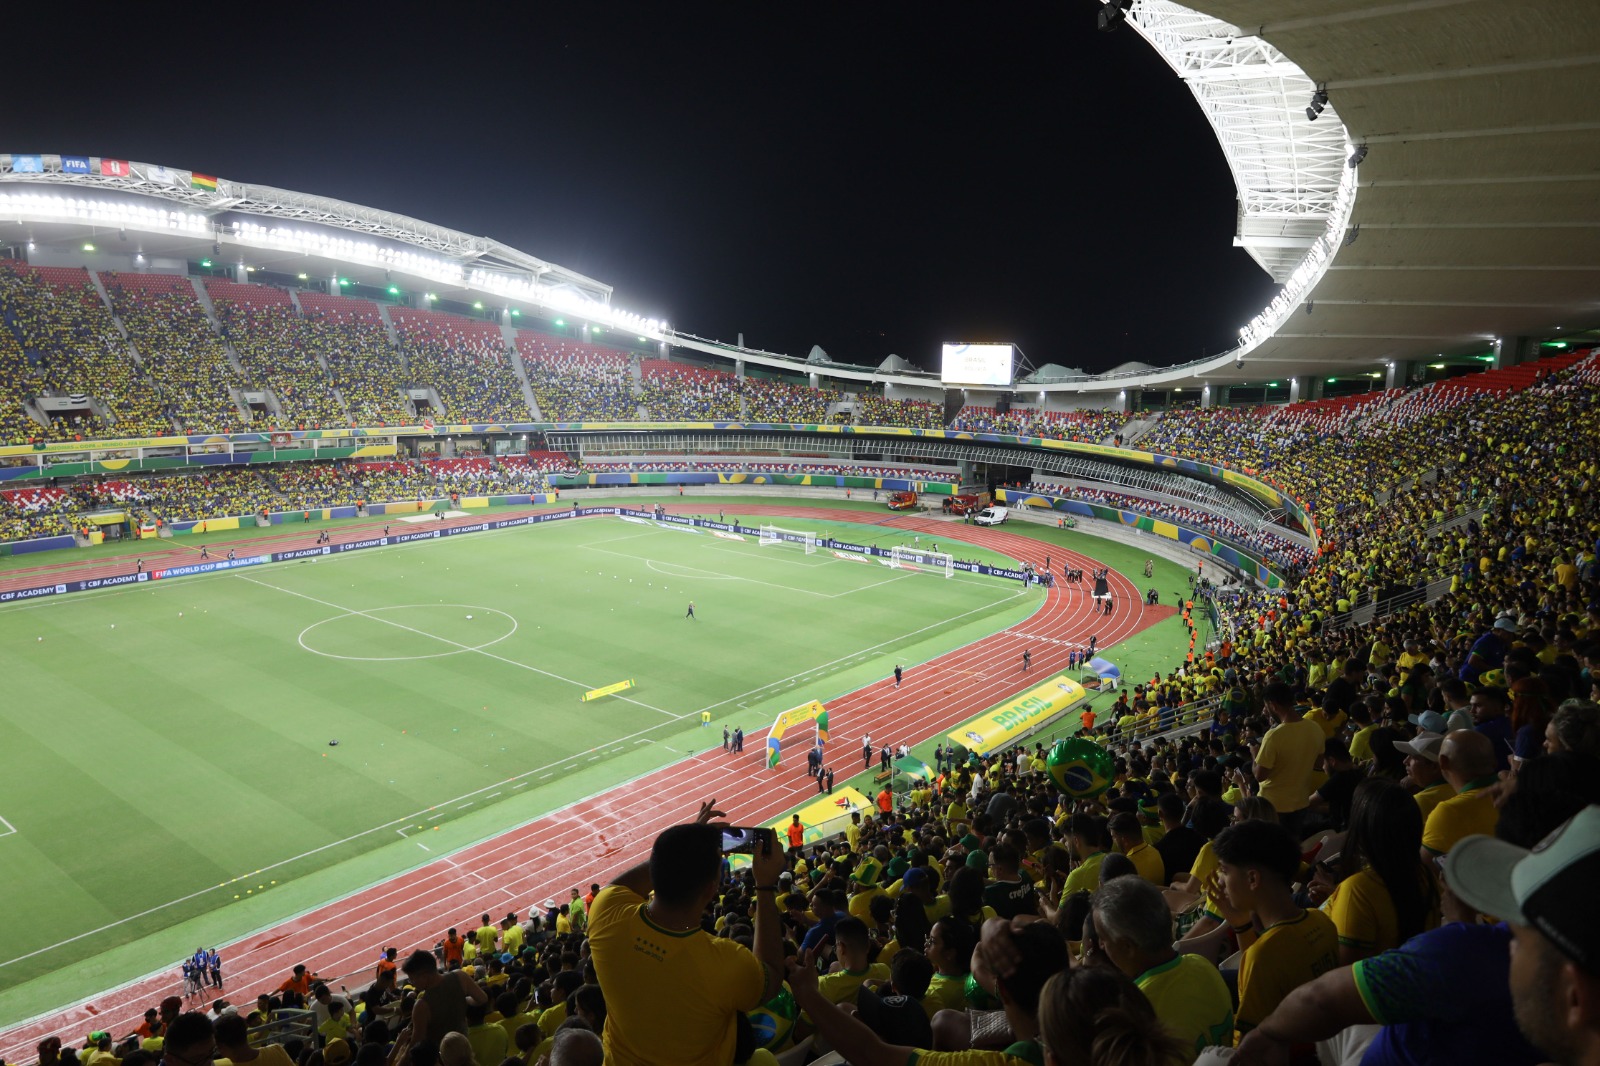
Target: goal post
{"points": [[900, 556], [778, 535]]}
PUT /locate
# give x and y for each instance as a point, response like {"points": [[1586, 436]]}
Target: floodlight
{"points": [[1112, 15], [206, 263], [303, 277], [515, 313], [1357, 156], [1319, 103], [88, 247], [561, 321], [394, 290], [477, 305]]}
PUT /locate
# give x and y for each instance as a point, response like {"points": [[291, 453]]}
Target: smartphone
{"points": [[746, 840]]}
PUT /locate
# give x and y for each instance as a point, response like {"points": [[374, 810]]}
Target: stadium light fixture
{"points": [[642, 341], [1375, 374], [1319, 103], [1436, 366], [515, 313], [561, 321], [344, 283], [206, 263], [120, 215], [432, 296], [394, 290], [1112, 15], [477, 305], [1333, 381], [303, 277], [88, 247]]}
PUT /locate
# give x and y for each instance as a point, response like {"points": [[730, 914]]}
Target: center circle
{"points": [[446, 627]]}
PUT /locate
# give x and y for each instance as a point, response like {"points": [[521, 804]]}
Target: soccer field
{"points": [[168, 745]]}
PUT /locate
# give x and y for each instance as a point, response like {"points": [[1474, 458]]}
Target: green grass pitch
{"points": [[166, 742]]}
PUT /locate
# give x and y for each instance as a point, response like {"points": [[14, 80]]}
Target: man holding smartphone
{"points": [[673, 990]]}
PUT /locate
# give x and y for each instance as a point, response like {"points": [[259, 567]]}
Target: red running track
{"points": [[592, 839]]}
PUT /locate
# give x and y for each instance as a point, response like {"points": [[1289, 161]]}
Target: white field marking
{"points": [[196, 579], [447, 640], [421, 845], [9, 830], [651, 564], [301, 640], [959, 575], [704, 575]]}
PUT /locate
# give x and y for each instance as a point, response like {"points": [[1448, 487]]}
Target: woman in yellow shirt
{"points": [[1388, 895]]}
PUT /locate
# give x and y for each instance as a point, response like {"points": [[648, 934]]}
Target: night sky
{"points": [[871, 178]]}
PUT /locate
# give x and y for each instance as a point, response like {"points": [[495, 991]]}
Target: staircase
{"points": [[520, 369]]}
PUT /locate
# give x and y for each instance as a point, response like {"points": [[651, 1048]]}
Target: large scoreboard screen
{"points": [[976, 364]]}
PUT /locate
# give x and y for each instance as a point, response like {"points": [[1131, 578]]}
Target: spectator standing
{"points": [[672, 990], [1287, 756]]}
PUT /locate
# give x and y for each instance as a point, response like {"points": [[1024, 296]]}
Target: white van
{"points": [[991, 516]]}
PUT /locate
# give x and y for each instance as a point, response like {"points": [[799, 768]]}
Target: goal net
{"points": [[776, 535], [917, 558]]}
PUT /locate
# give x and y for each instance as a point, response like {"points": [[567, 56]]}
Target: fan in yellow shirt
{"points": [[1467, 762], [1253, 887]]}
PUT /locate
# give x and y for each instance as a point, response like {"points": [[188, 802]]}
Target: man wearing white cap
{"points": [[1423, 776], [1544, 894]]}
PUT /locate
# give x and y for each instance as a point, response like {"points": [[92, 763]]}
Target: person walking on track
{"points": [[1027, 659], [899, 671]]}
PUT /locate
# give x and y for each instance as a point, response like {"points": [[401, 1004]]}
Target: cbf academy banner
{"points": [[1011, 721]]}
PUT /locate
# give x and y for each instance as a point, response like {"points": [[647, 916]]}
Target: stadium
{"points": [[377, 580]]}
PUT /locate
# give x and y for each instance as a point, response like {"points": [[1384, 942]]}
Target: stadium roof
{"points": [[1477, 209]]}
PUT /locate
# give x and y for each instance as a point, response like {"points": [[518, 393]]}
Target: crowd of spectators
{"points": [[26, 514], [278, 350], [465, 360], [767, 400], [1087, 427], [1290, 555], [881, 411], [244, 490], [577, 388], [677, 392], [58, 338], [179, 349], [350, 337]]}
